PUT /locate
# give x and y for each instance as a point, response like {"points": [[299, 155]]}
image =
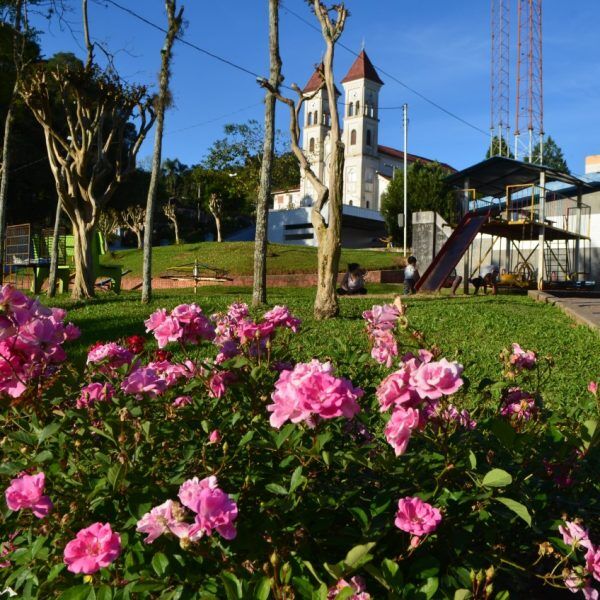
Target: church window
{"points": [[316, 118], [357, 107], [311, 145], [353, 137], [368, 204], [350, 109], [368, 137], [309, 121]]}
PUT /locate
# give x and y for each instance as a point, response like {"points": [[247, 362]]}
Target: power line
{"points": [[235, 112], [392, 77]]}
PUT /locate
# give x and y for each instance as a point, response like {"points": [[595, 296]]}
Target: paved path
{"points": [[583, 310]]}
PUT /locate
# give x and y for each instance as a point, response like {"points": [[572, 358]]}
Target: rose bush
{"points": [[165, 473]]}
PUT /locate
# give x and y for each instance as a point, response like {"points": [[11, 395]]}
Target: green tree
{"points": [[499, 148], [427, 190], [553, 156]]}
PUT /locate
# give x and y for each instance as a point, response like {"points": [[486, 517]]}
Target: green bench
{"points": [[66, 265]]}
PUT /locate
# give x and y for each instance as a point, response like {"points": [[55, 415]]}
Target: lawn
{"points": [[472, 330], [237, 258]]}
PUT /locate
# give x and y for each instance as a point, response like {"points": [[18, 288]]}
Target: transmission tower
{"points": [[500, 123], [529, 110]]}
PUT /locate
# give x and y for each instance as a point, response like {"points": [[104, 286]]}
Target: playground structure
{"points": [[511, 216]]}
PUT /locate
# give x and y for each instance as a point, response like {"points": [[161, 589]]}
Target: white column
{"points": [[542, 237]]}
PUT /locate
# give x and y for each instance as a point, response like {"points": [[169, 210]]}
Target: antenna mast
{"points": [[500, 123]]}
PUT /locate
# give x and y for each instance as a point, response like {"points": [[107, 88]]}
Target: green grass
{"points": [[237, 258], [472, 330]]}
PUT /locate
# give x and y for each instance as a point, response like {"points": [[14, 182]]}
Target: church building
{"points": [[369, 166]]}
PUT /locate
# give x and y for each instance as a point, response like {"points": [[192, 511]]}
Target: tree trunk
{"points": [[330, 247], [163, 93], [85, 278], [54, 253], [259, 292], [176, 226], [138, 233], [218, 226]]}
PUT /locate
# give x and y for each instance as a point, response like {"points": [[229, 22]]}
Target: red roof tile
{"points": [[315, 81], [362, 69], [411, 157]]}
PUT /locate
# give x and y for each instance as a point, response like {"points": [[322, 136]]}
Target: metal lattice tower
{"points": [[500, 114], [529, 109]]}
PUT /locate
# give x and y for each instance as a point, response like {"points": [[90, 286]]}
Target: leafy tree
{"points": [[499, 148], [427, 190], [553, 156]]}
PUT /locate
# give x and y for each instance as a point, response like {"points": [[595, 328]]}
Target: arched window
{"points": [[311, 145], [309, 120], [316, 118], [368, 137], [350, 109], [353, 137], [357, 107]]}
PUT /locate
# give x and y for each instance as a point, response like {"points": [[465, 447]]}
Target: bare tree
{"points": [[175, 21], [328, 232], [170, 211], [134, 219], [259, 292], [95, 151], [108, 221], [18, 51], [215, 205]]}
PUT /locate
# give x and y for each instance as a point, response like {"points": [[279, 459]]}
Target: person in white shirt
{"points": [[353, 281], [411, 275]]}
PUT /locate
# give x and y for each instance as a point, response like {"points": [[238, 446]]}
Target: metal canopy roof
{"points": [[490, 177]]}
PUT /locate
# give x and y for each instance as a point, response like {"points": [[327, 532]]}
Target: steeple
{"points": [[362, 68]]}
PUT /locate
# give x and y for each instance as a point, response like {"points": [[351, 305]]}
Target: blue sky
{"points": [[440, 48]]}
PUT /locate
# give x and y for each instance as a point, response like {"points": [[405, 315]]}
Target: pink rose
{"points": [[214, 437], [166, 518], [237, 311], [95, 392], [108, 357], [400, 427], [518, 405], [385, 347], [593, 387], [383, 317], [144, 380], [356, 583], [436, 379], [214, 509], [280, 316], [218, 383], [182, 401], [574, 535], [395, 389], [521, 358], [417, 517], [592, 561], [27, 491], [310, 390], [93, 548]]}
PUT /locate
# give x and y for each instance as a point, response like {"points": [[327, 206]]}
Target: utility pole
{"points": [[405, 122]]}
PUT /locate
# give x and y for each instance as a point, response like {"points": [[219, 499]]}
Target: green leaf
{"points": [[79, 592], [275, 488], [55, 572], [497, 478], [472, 460], [48, 431], [263, 589], [430, 587], [518, 508], [391, 573], [249, 435], [115, 475], [347, 592], [361, 516], [284, 434], [233, 586], [104, 593], [160, 563], [297, 479], [43, 456], [462, 594], [303, 587], [359, 555]]}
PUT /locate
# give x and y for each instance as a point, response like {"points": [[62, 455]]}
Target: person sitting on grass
{"points": [[411, 275], [487, 276], [353, 281]]}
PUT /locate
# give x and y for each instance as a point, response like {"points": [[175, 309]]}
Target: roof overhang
{"points": [[490, 177]]}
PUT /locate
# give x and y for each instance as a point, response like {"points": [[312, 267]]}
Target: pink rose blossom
{"points": [[280, 316], [27, 492], [166, 518], [574, 534], [214, 437], [106, 358], [93, 548], [518, 405], [383, 317], [310, 391], [356, 583], [400, 427], [522, 359], [395, 390], [214, 509], [182, 401], [575, 583], [385, 347], [436, 379], [95, 392], [593, 387], [218, 383], [417, 517], [442, 415], [237, 311], [592, 561], [144, 380]]}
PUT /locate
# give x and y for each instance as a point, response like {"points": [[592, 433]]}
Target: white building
{"points": [[369, 166]]}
